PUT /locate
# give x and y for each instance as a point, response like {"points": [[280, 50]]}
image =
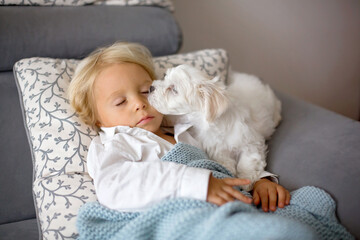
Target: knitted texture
{"points": [[192, 156], [310, 215]]}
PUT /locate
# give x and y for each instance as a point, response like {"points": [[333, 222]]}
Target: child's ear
{"points": [[98, 124]]}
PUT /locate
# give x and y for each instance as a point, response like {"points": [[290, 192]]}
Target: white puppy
{"points": [[231, 123]]}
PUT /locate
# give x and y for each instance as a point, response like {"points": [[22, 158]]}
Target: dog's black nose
{"points": [[152, 88]]}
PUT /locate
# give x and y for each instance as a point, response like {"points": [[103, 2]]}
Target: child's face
{"points": [[120, 93]]}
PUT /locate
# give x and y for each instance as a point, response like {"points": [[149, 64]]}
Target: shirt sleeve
{"points": [[272, 177], [263, 174], [124, 184]]}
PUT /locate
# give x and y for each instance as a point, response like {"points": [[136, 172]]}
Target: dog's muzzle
{"points": [[151, 89]]}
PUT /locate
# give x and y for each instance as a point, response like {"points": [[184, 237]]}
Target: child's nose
{"points": [[140, 104], [140, 107]]}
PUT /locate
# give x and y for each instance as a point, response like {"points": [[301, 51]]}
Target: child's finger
{"points": [[256, 198], [272, 199], [264, 201], [281, 198], [238, 195], [226, 196], [217, 200], [236, 181]]}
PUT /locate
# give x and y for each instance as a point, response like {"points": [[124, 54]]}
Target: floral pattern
{"points": [[59, 140], [213, 62]]}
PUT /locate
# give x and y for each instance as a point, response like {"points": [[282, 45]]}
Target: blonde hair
{"points": [[81, 86]]}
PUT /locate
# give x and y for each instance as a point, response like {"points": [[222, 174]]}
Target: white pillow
{"points": [[162, 3], [59, 140]]}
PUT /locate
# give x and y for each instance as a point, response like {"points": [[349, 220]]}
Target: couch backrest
{"points": [[60, 32]]}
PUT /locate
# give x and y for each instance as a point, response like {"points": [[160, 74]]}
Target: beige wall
{"points": [[306, 48]]}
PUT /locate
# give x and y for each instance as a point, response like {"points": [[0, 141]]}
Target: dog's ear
{"points": [[215, 101]]}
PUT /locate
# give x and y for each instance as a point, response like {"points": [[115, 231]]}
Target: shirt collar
{"points": [[107, 133]]}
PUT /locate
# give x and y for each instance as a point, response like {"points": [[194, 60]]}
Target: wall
{"points": [[307, 48]]}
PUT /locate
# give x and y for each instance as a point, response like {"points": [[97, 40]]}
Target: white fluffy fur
{"points": [[232, 123]]}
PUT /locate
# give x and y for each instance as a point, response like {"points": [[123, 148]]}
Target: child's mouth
{"points": [[145, 120]]}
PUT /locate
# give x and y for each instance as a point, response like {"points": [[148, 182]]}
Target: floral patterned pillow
{"points": [[162, 3], [59, 140]]}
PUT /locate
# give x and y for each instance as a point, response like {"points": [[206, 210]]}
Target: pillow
{"points": [[59, 140], [213, 62], [162, 3]]}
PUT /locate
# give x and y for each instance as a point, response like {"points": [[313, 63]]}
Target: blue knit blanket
{"points": [[310, 215]]}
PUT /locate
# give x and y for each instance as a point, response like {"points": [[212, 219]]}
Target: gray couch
{"points": [[312, 146]]}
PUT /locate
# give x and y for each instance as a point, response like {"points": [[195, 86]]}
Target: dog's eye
{"points": [[172, 89]]}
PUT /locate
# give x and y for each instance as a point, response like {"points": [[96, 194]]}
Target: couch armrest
{"points": [[313, 146]]}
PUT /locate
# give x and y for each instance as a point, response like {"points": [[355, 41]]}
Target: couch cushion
{"points": [[313, 146], [45, 31], [22, 230], [15, 161], [59, 140]]}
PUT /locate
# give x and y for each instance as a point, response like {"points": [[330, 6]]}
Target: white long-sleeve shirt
{"points": [[128, 174]]}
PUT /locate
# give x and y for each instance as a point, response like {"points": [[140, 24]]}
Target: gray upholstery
{"points": [[58, 32], [72, 32], [313, 146], [15, 159], [26, 229]]}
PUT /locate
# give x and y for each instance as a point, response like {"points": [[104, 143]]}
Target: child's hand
{"points": [[268, 193], [221, 191]]}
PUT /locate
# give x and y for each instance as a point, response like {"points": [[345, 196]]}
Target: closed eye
{"points": [[120, 103]]}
